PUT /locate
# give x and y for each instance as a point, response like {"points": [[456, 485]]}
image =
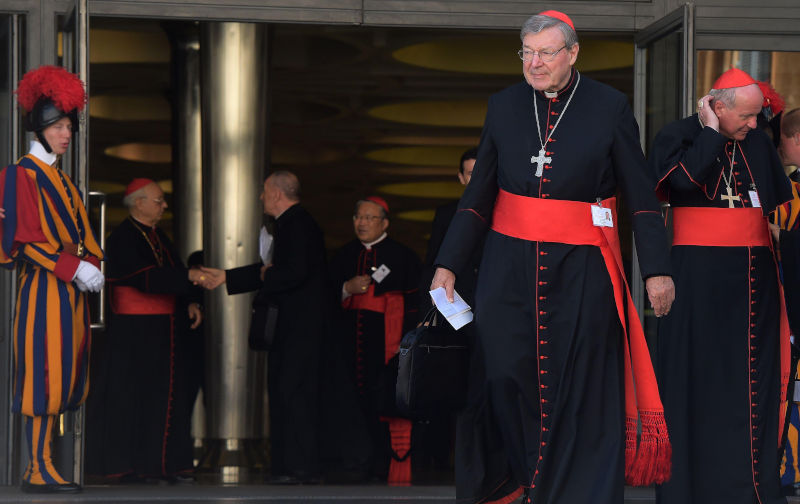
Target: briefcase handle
{"points": [[431, 318]]}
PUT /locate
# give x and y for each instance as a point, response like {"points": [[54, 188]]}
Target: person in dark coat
{"points": [[552, 313], [139, 426], [296, 282], [377, 278], [432, 443], [723, 351]]}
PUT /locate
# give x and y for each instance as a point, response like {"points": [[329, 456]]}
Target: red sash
{"points": [[736, 227], [720, 227], [392, 305], [131, 301], [560, 221]]}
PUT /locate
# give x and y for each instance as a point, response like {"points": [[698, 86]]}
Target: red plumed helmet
{"points": [[49, 93], [772, 99]]}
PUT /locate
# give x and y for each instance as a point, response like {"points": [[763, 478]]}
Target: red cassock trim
{"points": [[562, 221], [131, 301], [392, 305], [736, 227]]}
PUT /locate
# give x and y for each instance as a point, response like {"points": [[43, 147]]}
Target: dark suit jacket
{"points": [[465, 279], [297, 280]]}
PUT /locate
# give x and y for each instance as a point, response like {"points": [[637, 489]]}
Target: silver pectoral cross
{"points": [[730, 197], [540, 160]]}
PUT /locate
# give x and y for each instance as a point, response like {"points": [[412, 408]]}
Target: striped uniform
{"points": [[786, 216], [45, 215]]}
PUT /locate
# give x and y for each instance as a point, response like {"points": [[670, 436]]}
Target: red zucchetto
{"points": [[733, 78], [137, 184], [558, 15]]}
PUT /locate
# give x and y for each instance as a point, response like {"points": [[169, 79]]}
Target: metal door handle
{"points": [[100, 325]]}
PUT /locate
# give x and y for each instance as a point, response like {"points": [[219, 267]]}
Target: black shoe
{"points": [[183, 479], [50, 488], [284, 479]]}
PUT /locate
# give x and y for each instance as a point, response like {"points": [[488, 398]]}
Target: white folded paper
{"points": [[458, 313], [265, 245]]}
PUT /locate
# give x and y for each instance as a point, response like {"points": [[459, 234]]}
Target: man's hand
{"points": [[264, 269], [706, 112], [208, 278], [776, 232], [358, 284], [195, 314], [444, 278], [2, 214], [661, 291]]}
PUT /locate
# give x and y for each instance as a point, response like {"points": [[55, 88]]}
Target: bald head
{"points": [[281, 191], [287, 183]]}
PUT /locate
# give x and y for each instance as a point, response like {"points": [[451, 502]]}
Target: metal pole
{"points": [[234, 77]]}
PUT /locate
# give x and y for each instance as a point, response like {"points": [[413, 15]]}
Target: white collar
{"points": [[372, 244], [38, 150]]}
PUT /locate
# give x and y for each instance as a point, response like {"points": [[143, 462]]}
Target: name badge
{"points": [[601, 216], [754, 199], [381, 273]]}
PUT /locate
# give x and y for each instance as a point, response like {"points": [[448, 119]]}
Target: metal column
{"points": [[234, 97]]}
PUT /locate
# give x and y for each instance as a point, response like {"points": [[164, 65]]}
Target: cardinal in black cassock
{"points": [[138, 421], [723, 351], [551, 299], [377, 277]]}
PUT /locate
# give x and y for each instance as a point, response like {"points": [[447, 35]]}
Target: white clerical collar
{"points": [[38, 150], [548, 94], [372, 244]]}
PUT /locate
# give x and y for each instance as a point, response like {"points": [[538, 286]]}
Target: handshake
{"points": [[207, 278]]}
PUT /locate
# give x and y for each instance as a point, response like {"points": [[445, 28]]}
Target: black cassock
{"points": [[362, 335], [297, 283], [718, 349], [544, 312], [139, 412]]}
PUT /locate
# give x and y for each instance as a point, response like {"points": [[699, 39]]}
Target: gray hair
{"points": [[288, 183], [726, 96], [130, 200], [537, 23], [362, 201]]}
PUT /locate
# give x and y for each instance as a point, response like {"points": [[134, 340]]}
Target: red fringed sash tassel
{"points": [[562, 221]]}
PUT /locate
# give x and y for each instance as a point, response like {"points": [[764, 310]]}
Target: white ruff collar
{"points": [[38, 150]]}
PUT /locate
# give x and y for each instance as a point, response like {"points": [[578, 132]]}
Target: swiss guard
{"points": [[46, 237]]}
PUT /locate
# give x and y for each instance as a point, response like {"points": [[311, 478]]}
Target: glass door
{"points": [[663, 92], [72, 53], [11, 56]]}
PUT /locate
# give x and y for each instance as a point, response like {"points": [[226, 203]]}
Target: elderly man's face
{"points": [[369, 222], [790, 149], [737, 121], [269, 197], [553, 75], [152, 205]]}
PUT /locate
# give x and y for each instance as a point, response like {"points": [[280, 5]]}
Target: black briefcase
{"points": [[263, 324], [432, 369]]}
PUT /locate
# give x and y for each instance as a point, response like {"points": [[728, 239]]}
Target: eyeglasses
{"points": [[546, 56], [368, 218], [157, 201]]}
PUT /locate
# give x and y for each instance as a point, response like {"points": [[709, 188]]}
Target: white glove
{"points": [[91, 277], [81, 286]]}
